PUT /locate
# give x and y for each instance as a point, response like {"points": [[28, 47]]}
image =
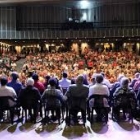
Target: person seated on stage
{"points": [[98, 89], [135, 79], [15, 83], [55, 93], [7, 91], [78, 91], [38, 84], [121, 101], [30, 96]]}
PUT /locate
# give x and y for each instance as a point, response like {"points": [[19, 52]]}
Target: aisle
{"points": [[20, 64]]}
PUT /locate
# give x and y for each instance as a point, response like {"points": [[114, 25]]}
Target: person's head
{"points": [[99, 78], [14, 75], [30, 74], [64, 75], [120, 77], [94, 77], [3, 81], [124, 82], [47, 78], [80, 79], [35, 77], [52, 82], [102, 73], [137, 75], [30, 82]]}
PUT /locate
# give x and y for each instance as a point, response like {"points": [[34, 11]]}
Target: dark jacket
{"points": [[78, 92], [29, 96]]}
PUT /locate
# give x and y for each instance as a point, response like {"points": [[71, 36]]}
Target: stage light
{"points": [[84, 4]]}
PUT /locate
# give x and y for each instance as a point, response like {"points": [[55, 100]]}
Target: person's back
{"points": [[7, 91], [76, 96], [64, 83], [52, 96], [14, 83], [98, 89], [29, 94], [38, 84], [124, 97], [78, 90]]}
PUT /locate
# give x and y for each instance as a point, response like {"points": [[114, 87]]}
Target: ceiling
{"points": [[82, 4]]}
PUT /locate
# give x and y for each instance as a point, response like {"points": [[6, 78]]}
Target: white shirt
{"points": [[8, 91], [64, 83], [98, 89]]}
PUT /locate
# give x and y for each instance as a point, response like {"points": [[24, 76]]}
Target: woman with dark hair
{"points": [[46, 83], [57, 100]]}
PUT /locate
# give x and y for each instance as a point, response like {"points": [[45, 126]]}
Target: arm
{"points": [[116, 92], [38, 94], [13, 93], [91, 92], [43, 97], [68, 92], [107, 91]]}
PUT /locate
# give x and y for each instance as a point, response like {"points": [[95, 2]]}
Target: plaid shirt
{"points": [[52, 97], [136, 85]]}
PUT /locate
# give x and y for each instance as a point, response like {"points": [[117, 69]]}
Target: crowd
{"points": [[112, 64], [70, 74]]}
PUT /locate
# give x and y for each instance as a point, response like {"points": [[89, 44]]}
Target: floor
{"points": [[113, 131]]}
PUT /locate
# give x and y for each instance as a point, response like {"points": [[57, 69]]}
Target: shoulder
{"points": [[10, 89], [58, 90], [60, 81], [9, 83], [105, 86], [68, 80], [35, 89], [72, 86], [85, 86]]}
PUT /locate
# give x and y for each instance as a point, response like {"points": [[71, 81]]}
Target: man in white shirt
{"points": [[64, 82], [98, 89]]}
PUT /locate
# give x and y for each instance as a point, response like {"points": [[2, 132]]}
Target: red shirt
{"points": [[39, 86]]}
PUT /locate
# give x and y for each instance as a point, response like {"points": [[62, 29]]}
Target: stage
{"points": [[98, 131]]}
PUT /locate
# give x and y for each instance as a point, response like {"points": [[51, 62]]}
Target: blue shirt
{"points": [[17, 86]]}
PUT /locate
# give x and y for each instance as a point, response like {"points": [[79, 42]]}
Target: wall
{"points": [[104, 18]]}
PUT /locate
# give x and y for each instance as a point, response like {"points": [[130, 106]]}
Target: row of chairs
{"points": [[67, 111]]}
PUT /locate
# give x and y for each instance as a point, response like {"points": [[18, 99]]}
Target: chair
{"points": [[73, 106], [64, 89], [126, 103], [98, 106], [5, 106], [30, 106], [53, 108]]}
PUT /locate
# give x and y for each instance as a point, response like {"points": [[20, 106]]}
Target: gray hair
{"points": [[30, 82]]}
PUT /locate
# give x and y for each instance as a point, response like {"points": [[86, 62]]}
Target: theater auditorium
{"points": [[69, 69]]}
